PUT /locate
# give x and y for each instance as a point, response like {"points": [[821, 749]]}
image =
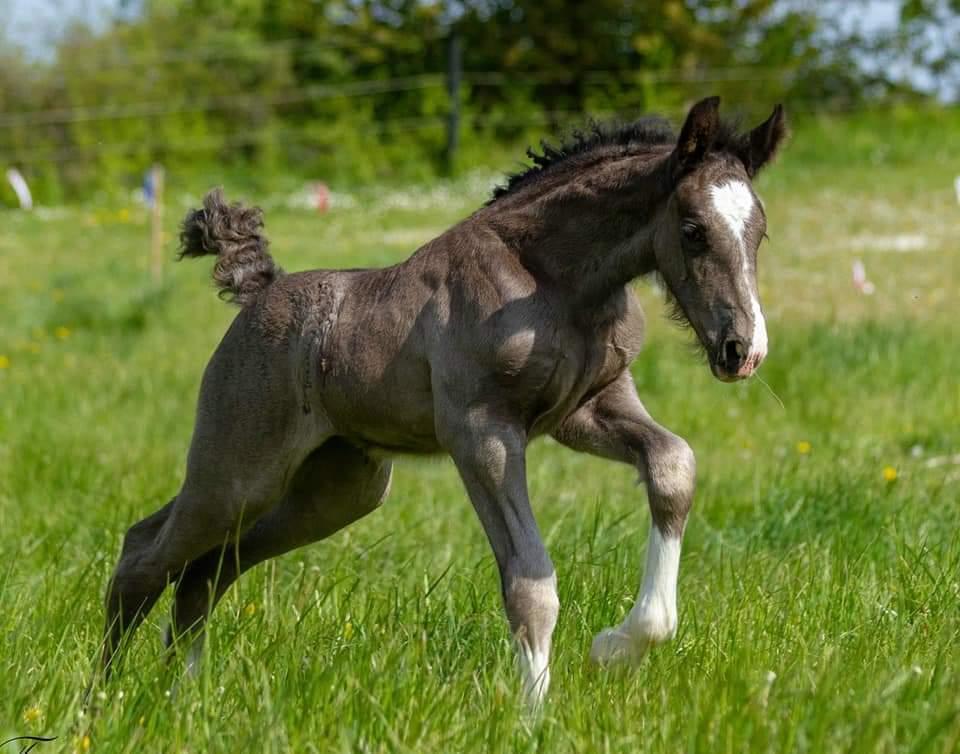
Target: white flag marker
{"points": [[20, 188]]}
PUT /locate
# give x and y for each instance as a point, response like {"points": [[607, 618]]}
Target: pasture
{"points": [[820, 579]]}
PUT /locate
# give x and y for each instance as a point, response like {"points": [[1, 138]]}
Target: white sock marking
{"points": [[653, 618], [734, 201], [655, 614], [534, 637], [194, 651], [535, 669]]}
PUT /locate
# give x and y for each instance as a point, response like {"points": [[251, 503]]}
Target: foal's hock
{"points": [[517, 322]]}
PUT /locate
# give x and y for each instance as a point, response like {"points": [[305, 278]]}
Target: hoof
{"points": [[614, 646]]}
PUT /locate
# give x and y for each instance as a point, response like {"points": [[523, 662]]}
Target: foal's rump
{"points": [[312, 353], [251, 432]]}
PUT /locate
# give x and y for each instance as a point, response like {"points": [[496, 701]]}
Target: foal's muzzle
{"points": [[736, 359]]}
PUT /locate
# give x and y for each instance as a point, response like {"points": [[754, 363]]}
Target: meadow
{"points": [[820, 578]]}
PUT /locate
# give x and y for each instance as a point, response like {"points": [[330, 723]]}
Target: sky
{"points": [[36, 24]]}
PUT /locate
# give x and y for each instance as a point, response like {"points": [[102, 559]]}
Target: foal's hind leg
{"points": [[336, 485], [615, 425], [158, 548], [138, 595], [250, 434]]}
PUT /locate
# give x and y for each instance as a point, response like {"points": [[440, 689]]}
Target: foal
{"points": [[517, 322]]}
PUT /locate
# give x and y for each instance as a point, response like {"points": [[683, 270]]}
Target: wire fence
{"points": [[260, 104], [212, 53], [388, 126]]}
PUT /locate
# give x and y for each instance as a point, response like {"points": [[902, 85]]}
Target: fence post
{"points": [[454, 74], [156, 224]]}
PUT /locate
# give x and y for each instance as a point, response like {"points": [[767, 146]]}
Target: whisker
{"points": [[769, 389]]}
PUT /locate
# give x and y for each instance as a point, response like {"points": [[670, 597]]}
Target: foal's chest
{"points": [[587, 357]]}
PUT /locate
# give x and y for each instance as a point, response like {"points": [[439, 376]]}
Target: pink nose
{"points": [[751, 362]]}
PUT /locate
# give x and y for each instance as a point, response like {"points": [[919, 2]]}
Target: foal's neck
{"points": [[590, 230]]}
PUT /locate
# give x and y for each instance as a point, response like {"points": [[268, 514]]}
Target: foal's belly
{"points": [[394, 426], [393, 409], [390, 407]]}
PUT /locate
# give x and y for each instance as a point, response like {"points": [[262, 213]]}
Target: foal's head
{"points": [[712, 224]]}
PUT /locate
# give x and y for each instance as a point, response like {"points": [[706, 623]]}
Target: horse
{"points": [[517, 322]]}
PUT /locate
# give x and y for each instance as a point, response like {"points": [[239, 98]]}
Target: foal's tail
{"points": [[233, 234]]}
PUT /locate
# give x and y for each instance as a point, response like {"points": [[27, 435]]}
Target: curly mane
{"points": [[618, 138]]}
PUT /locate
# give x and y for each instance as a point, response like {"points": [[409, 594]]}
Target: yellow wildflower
{"points": [[889, 474], [62, 333], [32, 714], [250, 609], [85, 743], [347, 630], [4, 362], [804, 447]]}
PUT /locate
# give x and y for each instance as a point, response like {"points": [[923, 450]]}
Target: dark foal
{"points": [[515, 323]]}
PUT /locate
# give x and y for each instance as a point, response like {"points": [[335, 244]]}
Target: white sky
{"points": [[36, 24]]}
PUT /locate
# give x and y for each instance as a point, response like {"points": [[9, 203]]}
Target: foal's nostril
{"points": [[734, 352]]}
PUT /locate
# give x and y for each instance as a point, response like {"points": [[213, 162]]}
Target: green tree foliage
{"points": [[354, 89]]}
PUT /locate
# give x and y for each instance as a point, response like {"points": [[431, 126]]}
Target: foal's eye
{"points": [[692, 232]]}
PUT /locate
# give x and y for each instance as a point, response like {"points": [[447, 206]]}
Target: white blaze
{"points": [[734, 202]]}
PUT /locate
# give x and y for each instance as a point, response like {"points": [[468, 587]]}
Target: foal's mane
{"points": [[617, 138]]}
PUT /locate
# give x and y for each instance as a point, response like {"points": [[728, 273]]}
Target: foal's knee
{"points": [[671, 472]]}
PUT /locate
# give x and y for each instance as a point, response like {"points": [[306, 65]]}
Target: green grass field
{"points": [[820, 579]]}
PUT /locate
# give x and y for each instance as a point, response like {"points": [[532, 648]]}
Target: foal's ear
{"points": [[765, 140], [697, 135]]}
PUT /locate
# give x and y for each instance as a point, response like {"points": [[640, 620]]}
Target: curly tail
{"points": [[233, 234]]}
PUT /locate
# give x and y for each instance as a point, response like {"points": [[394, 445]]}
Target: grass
{"points": [[818, 597]]}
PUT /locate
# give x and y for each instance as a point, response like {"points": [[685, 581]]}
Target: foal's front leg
{"points": [[614, 424], [489, 453]]}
